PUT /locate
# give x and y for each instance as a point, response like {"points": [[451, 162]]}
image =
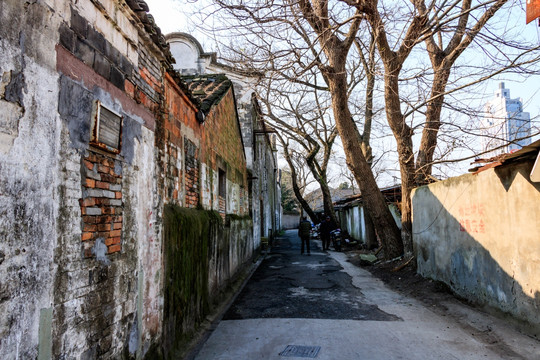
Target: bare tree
{"points": [[293, 39], [336, 49], [300, 114], [296, 177], [447, 29]]}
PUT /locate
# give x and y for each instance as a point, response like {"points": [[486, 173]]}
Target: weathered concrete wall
{"points": [[479, 234], [290, 221]]}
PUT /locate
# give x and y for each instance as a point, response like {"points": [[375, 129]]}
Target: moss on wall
{"points": [[234, 217], [187, 234]]}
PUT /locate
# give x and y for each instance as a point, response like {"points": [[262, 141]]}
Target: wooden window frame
{"points": [[96, 127]]}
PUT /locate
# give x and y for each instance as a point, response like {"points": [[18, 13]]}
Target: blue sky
{"points": [[175, 15]]}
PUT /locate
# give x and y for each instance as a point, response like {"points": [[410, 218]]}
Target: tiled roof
{"points": [[207, 89], [154, 32]]}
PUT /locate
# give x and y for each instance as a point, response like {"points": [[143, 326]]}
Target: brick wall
{"points": [[101, 204], [90, 46], [145, 85], [181, 130], [222, 120]]}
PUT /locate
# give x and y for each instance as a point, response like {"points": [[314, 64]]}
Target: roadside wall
{"points": [[81, 221], [75, 216], [259, 155], [32, 177], [202, 255], [479, 234], [290, 221]]}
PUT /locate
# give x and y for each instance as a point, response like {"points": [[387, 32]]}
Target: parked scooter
{"points": [[315, 232], [335, 237]]}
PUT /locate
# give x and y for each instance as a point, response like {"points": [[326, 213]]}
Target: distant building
{"points": [[506, 128]]}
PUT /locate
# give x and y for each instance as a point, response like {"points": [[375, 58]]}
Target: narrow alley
{"points": [[147, 182], [321, 306]]}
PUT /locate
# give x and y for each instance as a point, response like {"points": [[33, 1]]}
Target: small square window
{"points": [[106, 128]]}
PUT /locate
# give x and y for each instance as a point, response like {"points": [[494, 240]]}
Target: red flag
{"points": [[533, 10]]}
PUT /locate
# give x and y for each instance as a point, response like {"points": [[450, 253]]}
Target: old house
{"points": [[259, 144], [125, 191]]}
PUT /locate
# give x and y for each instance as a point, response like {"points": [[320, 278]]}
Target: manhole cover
{"points": [[301, 351]]}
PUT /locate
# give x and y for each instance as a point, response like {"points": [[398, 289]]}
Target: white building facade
{"points": [[506, 127]]}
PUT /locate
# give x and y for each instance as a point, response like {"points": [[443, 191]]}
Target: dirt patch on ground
{"points": [[405, 280]]}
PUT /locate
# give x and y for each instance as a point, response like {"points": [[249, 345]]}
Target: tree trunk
{"points": [[374, 201], [428, 143], [296, 188], [403, 135], [368, 117], [327, 197]]}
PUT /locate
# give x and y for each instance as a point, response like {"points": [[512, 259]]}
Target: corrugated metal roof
{"points": [[527, 152]]}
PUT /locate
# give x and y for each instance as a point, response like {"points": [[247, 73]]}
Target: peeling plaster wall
{"points": [[62, 301], [148, 236], [31, 176], [81, 227], [479, 234]]}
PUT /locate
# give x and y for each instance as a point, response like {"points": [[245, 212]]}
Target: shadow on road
{"points": [[290, 285]]}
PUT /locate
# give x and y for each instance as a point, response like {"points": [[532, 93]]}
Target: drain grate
{"points": [[301, 351]]}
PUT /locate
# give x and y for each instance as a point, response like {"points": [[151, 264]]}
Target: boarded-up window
{"points": [[106, 128], [222, 184]]}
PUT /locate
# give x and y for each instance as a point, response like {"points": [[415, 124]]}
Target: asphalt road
{"points": [[323, 307], [290, 285]]}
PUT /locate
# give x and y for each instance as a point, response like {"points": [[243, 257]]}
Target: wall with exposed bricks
{"points": [[260, 158], [107, 299], [82, 217], [228, 147], [101, 204], [81, 255]]}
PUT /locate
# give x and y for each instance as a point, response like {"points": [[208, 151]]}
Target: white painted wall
{"points": [[32, 177]]}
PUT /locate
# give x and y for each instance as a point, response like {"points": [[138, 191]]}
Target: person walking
{"points": [[304, 231], [326, 226]]}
